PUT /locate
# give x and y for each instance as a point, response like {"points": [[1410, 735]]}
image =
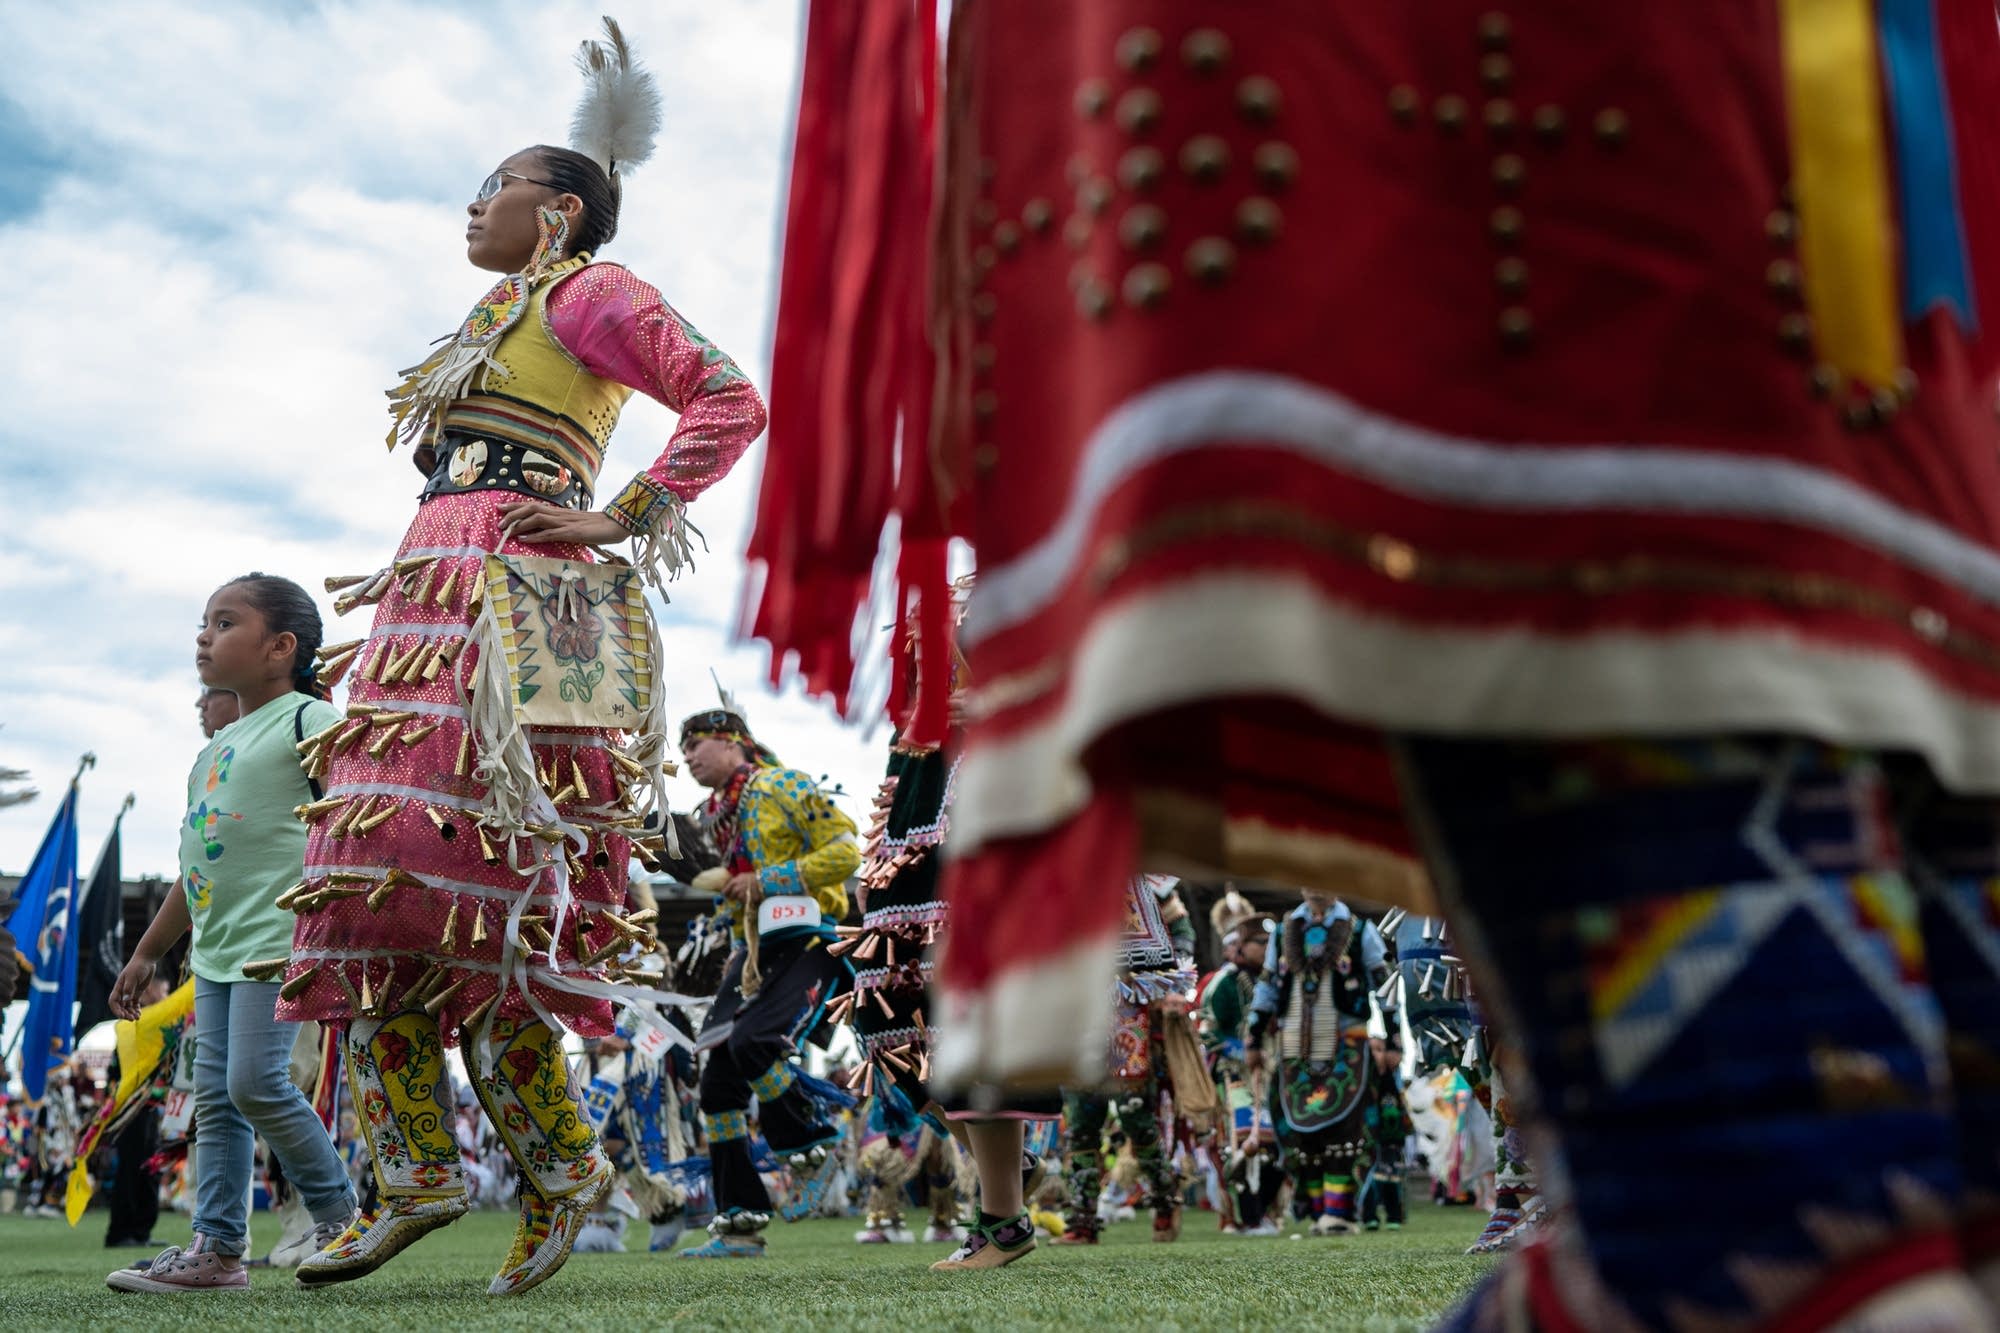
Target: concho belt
{"points": [[471, 463]]}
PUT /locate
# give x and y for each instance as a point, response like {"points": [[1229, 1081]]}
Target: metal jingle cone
{"points": [[347, 987], [320, 737], [393, 673], [419, 663], [347, 816], [615, 945], [421, 987], [446, 829], [478, 1015], [390, 808], [446, 650], [438, 1001]]}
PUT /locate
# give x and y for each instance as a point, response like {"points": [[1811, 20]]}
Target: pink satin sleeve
{"points": [[621, 329]]}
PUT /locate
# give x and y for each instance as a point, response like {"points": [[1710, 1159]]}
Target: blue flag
{"points": [[44, 926]]}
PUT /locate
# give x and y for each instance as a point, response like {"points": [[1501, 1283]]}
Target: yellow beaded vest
{"points": [[528, 390]]}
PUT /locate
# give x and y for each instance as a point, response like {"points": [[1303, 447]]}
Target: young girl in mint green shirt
{"points": [[241, 846]]}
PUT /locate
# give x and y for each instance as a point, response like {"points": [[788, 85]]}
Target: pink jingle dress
{"points": [[399, 875]]}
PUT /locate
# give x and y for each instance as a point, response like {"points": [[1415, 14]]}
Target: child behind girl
{"points": [[241, 847]]}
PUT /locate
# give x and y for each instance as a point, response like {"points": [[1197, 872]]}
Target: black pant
{"points": [[135, 1192], [744, 1038], [1383, 1189], [1252, 1205]]}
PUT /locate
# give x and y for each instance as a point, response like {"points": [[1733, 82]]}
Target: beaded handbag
{"points": [[577, 639]]}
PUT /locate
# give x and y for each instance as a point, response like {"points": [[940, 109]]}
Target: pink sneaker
{"points": [[177, 1268]]}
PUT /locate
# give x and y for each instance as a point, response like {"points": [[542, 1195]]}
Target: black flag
{"points": [[100, 941]]}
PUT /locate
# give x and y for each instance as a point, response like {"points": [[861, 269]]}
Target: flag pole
{"points": [[87, 760]]}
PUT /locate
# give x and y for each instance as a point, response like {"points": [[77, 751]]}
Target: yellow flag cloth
{"points": [[141, 1043], [1840, 166]]}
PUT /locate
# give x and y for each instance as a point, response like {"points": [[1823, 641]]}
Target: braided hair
{"points": [[601, 192], [288, 609]]}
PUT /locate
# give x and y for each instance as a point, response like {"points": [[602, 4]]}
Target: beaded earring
{"points": [[551, 240]]}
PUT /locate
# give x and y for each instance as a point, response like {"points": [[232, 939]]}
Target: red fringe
{"points": [[853, 372], [922, 569]]}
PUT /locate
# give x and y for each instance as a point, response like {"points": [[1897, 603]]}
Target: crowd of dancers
{"points": [[1138, 1144], [1531, 465]]}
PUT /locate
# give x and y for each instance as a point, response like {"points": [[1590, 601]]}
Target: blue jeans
{"points": [[243, 1088]]}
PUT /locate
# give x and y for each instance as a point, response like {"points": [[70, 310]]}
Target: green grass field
{"points": [[816, 1278]]}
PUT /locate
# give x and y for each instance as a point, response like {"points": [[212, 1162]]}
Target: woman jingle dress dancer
{"points": [[467, 861]]}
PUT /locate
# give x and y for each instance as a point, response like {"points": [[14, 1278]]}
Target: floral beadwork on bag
{"points": [[578, 648]]}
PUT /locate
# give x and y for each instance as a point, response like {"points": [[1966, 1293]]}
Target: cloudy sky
{"points": [[229, 224]]}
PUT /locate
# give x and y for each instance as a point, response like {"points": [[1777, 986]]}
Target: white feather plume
{"points": [[617, 120]]}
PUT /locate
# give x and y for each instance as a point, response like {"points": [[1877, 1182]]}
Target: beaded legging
{"points": [[1084, 1118], [1768, 957]]}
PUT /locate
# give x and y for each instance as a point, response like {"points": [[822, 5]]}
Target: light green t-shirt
{"points": [[241, 845]]}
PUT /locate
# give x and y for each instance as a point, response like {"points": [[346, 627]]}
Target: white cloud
{"points": [[252, 222]]}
